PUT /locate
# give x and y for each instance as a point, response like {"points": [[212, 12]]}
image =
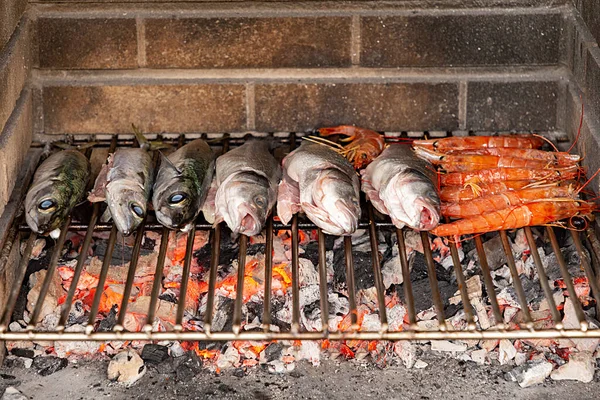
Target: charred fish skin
{"points": [[401, 185], [322, 184], [129, 182], [246, 182], [182, 184], [58, 185]]}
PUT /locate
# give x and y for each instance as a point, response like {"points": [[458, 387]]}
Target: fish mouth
{"points": [[429, 216], [244, 220]]}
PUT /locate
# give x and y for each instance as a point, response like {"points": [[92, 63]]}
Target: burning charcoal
{"points": [[239, 372], [407, 351], [126, 367], [120, 254], [254, 249], [445, 345], [77, 314], [494, 253], [228, 359], [108, 323], [47, 365], [54, 293], [391, 269], [12, 393], [154, 353], [530, 373], [533, 290], [555, 358], [223, 316], [363, 269], [167, 367], [272, 352], [423, 297], [418, 269], [148, 243], [580, 367], [506, 352], [27, 353]]}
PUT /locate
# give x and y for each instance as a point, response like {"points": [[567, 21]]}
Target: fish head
{"points": [[244, 202], [412, 200], [175, 205], [128, 206], [45, 208], [336, 205]]}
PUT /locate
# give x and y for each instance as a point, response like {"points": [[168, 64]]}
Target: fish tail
{"points": [[144, 143]]}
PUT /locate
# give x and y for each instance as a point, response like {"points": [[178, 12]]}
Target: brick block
{"points": [[97, 43], [592, 82], [155, 109], [512, 106], [10, 14], [590, 11], [248, 42], [14, 142], [15, 62], [460, 40], [383, 107]]}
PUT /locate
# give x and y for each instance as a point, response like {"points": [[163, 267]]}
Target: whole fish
{"points": [[322, 184], [182, 184], [125, 183], [245, 188], [401, 185], [58, 185]]}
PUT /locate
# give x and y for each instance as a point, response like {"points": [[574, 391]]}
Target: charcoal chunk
{"points": [[273, 351], [187, 366], [223, 317], [27, 353], [47, 365], [108, 323], [239, 372], [154, 353]]}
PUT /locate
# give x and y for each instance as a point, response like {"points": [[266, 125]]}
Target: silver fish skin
{"points": [[182, 184], [128, 184], [58, 185], [402, 185], [322, 184], [246, 182]]}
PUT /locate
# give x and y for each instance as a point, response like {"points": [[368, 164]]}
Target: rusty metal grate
{"points": [[410, 331]]}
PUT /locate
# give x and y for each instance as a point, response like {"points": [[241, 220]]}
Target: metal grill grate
{"points": [[410, 331]]}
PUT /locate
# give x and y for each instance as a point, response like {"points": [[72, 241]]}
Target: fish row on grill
{"points": [[247, 183]]}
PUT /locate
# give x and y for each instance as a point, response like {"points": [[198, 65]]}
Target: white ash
{"points": [[531, 373], [581, 367], [407, 351], [127, 367], [446, 345]]}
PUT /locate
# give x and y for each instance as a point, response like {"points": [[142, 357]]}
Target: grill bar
{"points": [[239, 289], [510, 260], [462, 285], [49, 275], [112, 239], [66, 309], [433, 283], [487, 279], [212, 279], [185, 276], [158, 275], [20, 275], [543, 278], [351, 285], [406, 283], [295, 277], [377, 270], [567, 278], [135, 256], [323, 282], [592, 278], [266, 318]]}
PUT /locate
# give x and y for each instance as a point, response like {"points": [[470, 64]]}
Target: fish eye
{"points": [[177, 198], [139, 211], [47, 204], [354, 201], [260, 201]]}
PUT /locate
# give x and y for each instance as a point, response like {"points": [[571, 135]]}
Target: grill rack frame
{"points": [[499, 331]]}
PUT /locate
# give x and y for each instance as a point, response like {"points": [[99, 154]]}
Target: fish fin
{"points": [[98, 191], [144, 144], [165, 160], [288, 199], [106, 216]]}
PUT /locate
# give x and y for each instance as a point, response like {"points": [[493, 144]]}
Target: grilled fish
{"points": [[182, 184], [322, 184], [58, 185], [245, 188], [401, 185], [125, 182]]}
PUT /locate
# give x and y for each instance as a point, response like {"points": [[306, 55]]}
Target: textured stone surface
{"points": [[460, 40], [248, 42], [592, 81], [517, 106], [154, 109], [14, 142], [97, 43], [10, 14], [382, 107], [590, 11], [15, 62]]}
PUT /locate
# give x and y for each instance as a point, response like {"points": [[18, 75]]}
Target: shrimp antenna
{"points": [[580, 125], [323, 141], [588, 181], [546, 140]]}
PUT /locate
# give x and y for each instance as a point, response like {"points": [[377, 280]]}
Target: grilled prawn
{"points": [[477, 142], [365, 145]]}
